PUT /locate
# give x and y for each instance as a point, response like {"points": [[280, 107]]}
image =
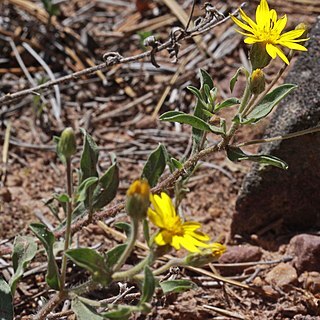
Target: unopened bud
{"points": [[259, 56], [138, 199], [207, 255], [67, 146], [257, 81]]}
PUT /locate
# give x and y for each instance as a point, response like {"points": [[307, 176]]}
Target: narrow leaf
{"points": [[227, 103], [149, 286], [195, 122], [269, 102], [122, 313], [107, 188], [205, 79], [84, 312], [155, 165], [47, 239], [235, 77], [89, 157], [24, 250], [6, 304], [177, 286], [126, 227], [236, 154]]}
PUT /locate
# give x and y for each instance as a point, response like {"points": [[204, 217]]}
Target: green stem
{"points": [[245, 98], [68, 224], [128, 274], [130, 245]]}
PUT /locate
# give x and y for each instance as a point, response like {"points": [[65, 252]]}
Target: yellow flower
{"points": [[173, 231], [267, 30]]}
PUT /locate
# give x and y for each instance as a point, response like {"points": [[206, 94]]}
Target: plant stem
{"points": [[277, 138], [68, 225], [128, 274], [245, 98], [52, 303], [130, 245]]}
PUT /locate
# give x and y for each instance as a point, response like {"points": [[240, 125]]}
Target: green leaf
{"points": [[83, 188], [84, 312], [6, 304], [195, 122], [227, 103], [92, 261], [47, 239], [24, 250], [176, 163], [235, 77], [126, 227], [107, 188], [149, 286], [122, 313], [177, 286], [89, 157], [236, 154], [62, 198], [197, 93], [205, 79], [113, 255], [155, 165], [268, 103]]}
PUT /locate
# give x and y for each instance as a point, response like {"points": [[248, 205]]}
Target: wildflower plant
{"points": [[147, 200]]}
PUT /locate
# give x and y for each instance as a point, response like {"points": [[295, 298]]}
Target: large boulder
{"points": [[288, 199]]}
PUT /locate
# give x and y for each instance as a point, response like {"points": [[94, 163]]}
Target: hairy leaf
{"points": [[177, 286], [155, 165], [236, 154], [24, 250], [47, 239], [6, 304]]}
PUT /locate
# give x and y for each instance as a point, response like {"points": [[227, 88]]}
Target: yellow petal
{"points": [[251, 40], [280, 24], [187, 244], [292, 45], [248, 20], [155, 218], [241, 24], [293, 34], [271, 50], [263, 14]]}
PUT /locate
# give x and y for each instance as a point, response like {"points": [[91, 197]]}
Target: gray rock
{"points": [[306, 251], [292, 197], [238, 254]]}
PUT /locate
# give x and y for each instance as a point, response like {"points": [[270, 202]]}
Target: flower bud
{"points": [[259, 56], [207, 255], [257, 81], [67, 146], [138, 200]]}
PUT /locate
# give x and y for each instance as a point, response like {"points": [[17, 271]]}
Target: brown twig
{"points": [[115, 59]]}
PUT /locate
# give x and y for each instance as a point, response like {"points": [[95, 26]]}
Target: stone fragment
{"points": [[292, 197], [306, 251], [311, 281], [282, 275], [238, 254]]}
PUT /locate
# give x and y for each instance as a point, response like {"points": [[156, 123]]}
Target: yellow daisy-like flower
{"points": [[173, 231], [267, 30]]}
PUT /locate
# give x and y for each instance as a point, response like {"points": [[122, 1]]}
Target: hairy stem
{"points": [[52, 303], [68, 225], [131, 243]]}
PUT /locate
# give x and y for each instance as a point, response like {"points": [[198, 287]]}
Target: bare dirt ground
{"points": [[119, 107]]}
